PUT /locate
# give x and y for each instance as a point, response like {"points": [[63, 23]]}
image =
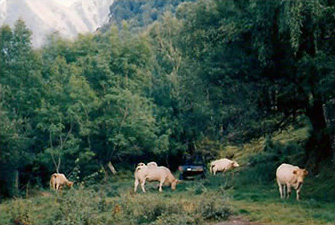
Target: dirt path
{"points": [[235, 220]]}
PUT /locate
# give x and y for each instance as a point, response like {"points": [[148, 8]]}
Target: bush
{"points": [[213, 207], [92, 205], [197, 188], [146, 208], [20, 213], [81, 207], [173, 219]]}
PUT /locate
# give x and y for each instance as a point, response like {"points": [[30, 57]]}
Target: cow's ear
{"points": [[305, 172], [295, 171]]}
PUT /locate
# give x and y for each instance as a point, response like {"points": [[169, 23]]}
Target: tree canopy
{"points": [[204, 73]]}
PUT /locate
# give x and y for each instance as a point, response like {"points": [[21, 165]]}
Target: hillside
{"points": [[45, 17], [141, 13]]}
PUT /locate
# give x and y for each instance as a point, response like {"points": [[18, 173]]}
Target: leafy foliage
{"points": [[141, 13], [168, 77]]}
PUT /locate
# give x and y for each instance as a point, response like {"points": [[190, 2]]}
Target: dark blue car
{"points": [[193, 166]]}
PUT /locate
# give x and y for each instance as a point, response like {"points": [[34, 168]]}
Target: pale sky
{"points": [[65, 2]]}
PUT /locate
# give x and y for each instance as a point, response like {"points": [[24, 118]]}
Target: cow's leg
{"points": [[280, 189], [284, 190], [57, 187], [54, 184], [288, 190], [142, 185], [298, 192], [214, 170], [135, 185], [161, 184]]}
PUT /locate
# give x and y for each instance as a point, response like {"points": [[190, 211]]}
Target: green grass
{"points": [[261, 203], [255, 195], [249, 192], [211, 199]]}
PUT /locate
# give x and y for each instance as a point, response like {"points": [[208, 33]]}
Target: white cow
{"points": [[290, 176], [58, 180], [154, 173], [222, 165]]}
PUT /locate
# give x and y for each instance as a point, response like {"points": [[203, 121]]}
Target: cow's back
{"points": [[157, 173], [61, 179], [141, 172], [284, 172], [223, 163]]}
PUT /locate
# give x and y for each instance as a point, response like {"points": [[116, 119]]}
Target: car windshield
{"points": [[193, 160]]}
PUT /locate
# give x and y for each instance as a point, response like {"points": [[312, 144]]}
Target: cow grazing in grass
{"points": [[58, 181], [290, 176], [222, 165], [154, 173]]}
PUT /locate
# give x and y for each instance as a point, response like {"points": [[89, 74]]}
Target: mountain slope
{"points": [[44, 17], [141, 13]]}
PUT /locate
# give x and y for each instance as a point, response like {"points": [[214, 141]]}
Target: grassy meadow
{"points": [[210, 200], [249, 192]]}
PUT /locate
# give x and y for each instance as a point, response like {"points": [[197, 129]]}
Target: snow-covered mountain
{"points": [[46, 16]]}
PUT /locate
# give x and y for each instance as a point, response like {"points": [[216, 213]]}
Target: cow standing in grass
{"points": [[58, 181], [222, 165], [290, 176], [154, 173]]}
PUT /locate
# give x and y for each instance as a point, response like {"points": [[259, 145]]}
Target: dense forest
{"points": [[140, 13], [165, 78]]}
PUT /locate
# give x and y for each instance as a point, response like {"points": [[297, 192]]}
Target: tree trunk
{"points": [[318, 146], [111, 167], [15, 191]]}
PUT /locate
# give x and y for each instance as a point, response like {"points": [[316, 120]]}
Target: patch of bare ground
{"points": [[235, 220]]}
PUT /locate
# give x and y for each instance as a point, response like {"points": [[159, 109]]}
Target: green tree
{"points": [[20, 83], [126, 122], [264, 63]]}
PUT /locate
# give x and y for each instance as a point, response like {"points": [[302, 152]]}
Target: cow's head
{"points": [[235, 164], [174, 184], [70, 184], [300, 174], [140, 164]]}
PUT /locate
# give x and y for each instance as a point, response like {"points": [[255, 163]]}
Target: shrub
{"points": [[81, 207], [20, 213], [173, 219], [213, 207], [197, 188], [92, 206], [147, 208]]}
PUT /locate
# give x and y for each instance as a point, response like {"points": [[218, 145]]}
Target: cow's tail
{"points": [[211, 168], [52, 181]]}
